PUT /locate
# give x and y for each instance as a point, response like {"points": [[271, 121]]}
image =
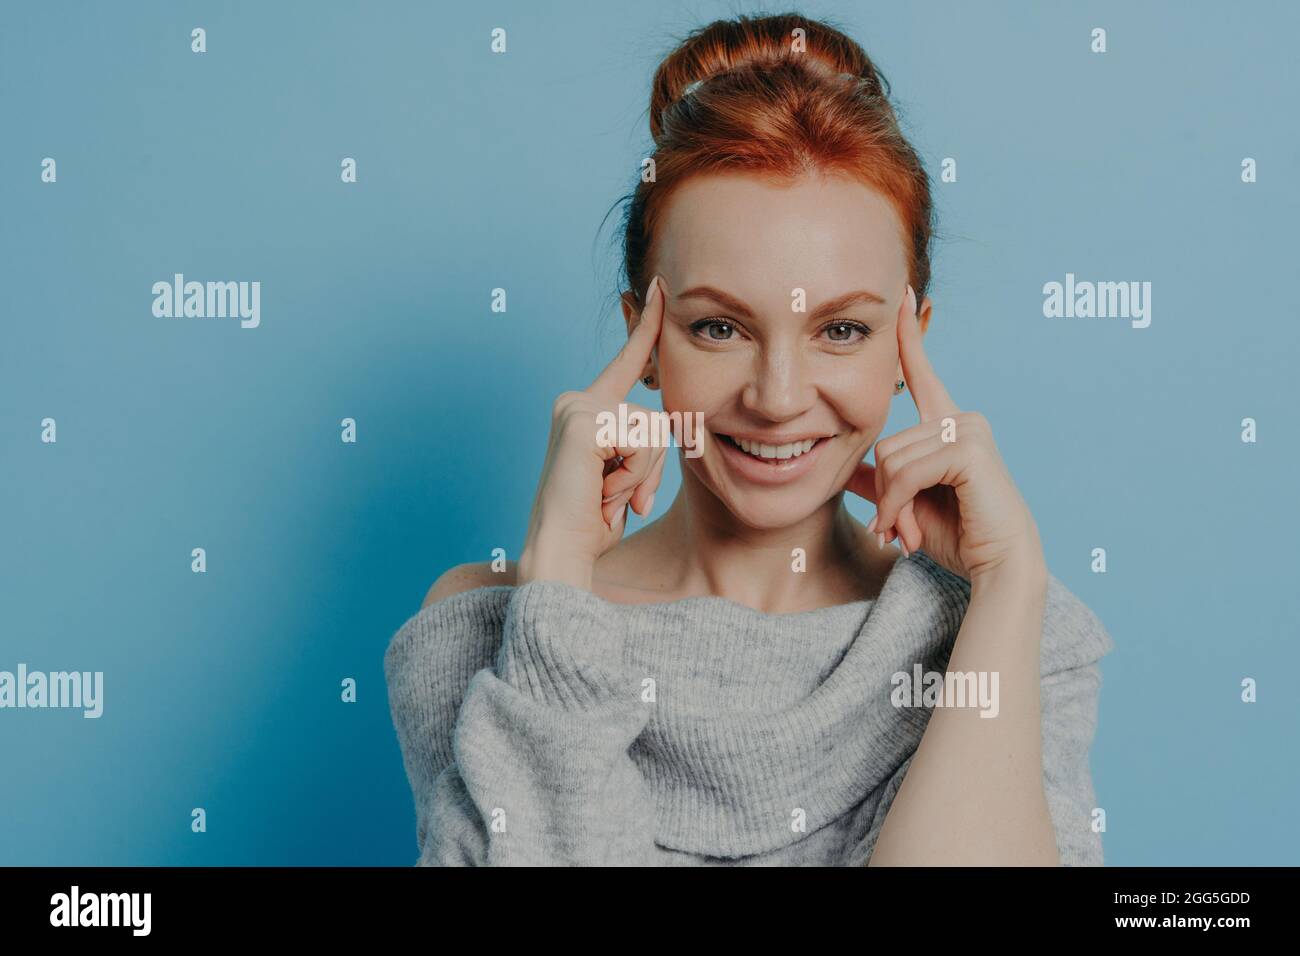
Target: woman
{"points": [[755, 678]]}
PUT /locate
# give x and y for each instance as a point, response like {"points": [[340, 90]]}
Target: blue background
{"points": [[222, 690]]}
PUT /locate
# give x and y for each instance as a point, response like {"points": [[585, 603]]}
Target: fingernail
{"points": [[872, 527], [903, 545], [650, 503], [880, 539], [651, 289], [911, 299]]}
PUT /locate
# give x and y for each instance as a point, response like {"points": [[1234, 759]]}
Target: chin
{"points": [[769, 515], [768, 509]]}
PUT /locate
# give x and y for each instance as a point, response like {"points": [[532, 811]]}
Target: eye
{"points": [[715, 330], [842, 332]]}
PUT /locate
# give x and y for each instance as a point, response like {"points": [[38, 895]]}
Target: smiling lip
{"points": [[773, 471], [777, 440]]}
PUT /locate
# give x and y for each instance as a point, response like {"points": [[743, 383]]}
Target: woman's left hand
{"points": [[941, 485]]}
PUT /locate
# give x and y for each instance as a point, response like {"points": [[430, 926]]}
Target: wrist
{"points": [[1021, 571], [541, 565]]}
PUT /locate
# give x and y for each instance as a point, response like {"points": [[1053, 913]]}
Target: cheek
{"points": [[865, 414], [860, 391], [691, 379]]}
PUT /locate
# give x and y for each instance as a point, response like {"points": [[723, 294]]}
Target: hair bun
{"points": [[776, 97], [745, 48]]}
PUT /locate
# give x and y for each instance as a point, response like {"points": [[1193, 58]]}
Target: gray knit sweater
{"points": [[543, 725]]}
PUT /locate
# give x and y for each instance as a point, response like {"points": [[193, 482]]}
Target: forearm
{"points": [[550, 562], [974, 792]]}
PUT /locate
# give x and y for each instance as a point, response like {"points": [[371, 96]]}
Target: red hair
{"points": [[775, 103]]}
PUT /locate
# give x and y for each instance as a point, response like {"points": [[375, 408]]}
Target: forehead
{"points": [[753, 237]]}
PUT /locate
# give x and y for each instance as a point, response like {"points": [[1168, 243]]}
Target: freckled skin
{"points": [[759, 242], [780, 370]]}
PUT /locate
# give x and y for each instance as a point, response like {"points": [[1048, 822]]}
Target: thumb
{"points": [[863, 482]]}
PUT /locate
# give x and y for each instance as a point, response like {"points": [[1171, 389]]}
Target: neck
{"points": [[711, 552]]}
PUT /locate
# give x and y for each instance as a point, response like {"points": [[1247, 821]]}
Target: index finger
{"points": [[623, 372], [932, 399]]}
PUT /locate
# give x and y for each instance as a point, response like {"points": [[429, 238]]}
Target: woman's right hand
{"points": [[585, 489]]}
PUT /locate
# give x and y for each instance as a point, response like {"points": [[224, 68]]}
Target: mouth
{"points": [[769, 462]]}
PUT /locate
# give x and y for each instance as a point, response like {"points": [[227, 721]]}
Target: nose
{"points": [[780, 388]]}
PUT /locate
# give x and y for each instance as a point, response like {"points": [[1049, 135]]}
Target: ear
{"points": [[630, 311], [923, 316], [923, 319], [632, 315]]}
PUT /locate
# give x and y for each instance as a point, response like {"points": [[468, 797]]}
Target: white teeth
{"points": [[792, 450]]}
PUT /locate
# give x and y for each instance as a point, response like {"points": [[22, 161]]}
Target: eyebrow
{"points": [[732, 304]]}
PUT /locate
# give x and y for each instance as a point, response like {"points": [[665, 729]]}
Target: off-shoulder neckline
{"points": [[502, 592]]}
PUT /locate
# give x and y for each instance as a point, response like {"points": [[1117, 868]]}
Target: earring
{"points": [[898, 386], [649, 379]]}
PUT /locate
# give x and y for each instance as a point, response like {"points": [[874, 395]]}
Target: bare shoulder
{"points": [[467, 577]]}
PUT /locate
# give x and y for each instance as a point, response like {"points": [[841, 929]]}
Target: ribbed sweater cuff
{"points": [[562, 647]]}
